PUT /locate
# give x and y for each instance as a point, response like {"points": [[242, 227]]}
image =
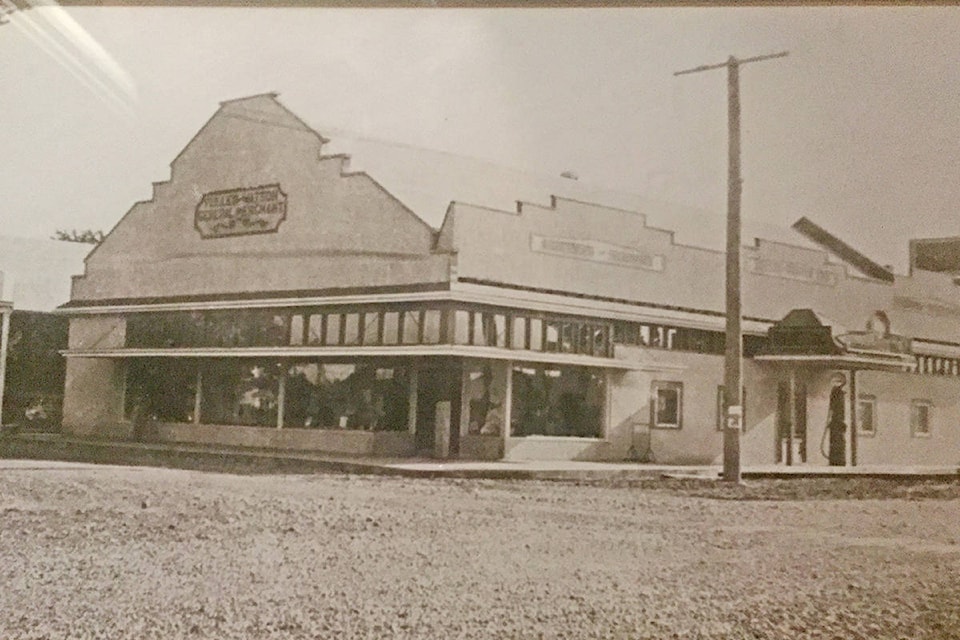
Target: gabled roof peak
{"points": [[270, 94]]}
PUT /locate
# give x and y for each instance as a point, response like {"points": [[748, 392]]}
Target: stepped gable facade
{"points": [[268, 296]]}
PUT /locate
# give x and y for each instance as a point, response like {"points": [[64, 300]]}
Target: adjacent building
{"points": [[267, 295]]}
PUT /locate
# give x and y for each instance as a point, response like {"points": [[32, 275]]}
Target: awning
{"points": [[850, 360], [490, 353], [803, 338]]}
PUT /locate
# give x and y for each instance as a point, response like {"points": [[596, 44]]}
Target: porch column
{"points": [[4, 338], [507, 406], [793, 415], [281, 397], [412, 401], [198, 396], [853, 417]]}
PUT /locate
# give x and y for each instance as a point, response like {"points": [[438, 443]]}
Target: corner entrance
{"points": [[436, 383]]}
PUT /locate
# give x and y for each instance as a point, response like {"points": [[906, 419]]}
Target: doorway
{"points": [[437, 382], [791, 442]]}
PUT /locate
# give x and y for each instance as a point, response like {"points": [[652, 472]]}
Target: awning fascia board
{"points": [[491, 353], [842, 361]]}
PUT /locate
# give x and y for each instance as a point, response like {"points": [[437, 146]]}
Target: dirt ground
{"points": [[116, 552]]}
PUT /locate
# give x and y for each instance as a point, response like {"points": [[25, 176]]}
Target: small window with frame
{"points": [[920, 418], [867, 415], [666, 405]]}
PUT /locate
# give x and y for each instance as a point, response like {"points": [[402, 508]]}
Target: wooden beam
{"points": [[842, 250]]}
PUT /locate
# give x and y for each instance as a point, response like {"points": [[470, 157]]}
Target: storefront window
{"points": [[240, 392], [162, 390], [346, 396], [558, 401], [485, 392]]}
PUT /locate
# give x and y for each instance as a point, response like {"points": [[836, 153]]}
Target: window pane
{"points": [[479, 329], [333, 328], [558, 401], [518, 339], [536, 334], [411, 327], [667, 406], [431, 326], [346, 396], [569, 337], [485, 391], [240, 392], [500, 330], [278, 331], [316, 326], [161, 389], [391, 327], [371, 328], [461, 330], [671, 337], [552, 337], [351, 333], [296, 330], [667, 398]]}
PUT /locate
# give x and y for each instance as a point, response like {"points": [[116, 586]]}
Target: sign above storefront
{"points": [[236, 212], [596, 251], [826, 276]]}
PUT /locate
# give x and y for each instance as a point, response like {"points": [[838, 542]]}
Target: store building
{"points": [[267, 295]]}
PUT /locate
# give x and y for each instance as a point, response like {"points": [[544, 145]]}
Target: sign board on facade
{"points": [[597, 251], [236, 212], [791, 270]]}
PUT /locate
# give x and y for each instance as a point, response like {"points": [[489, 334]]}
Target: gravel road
{"points": [[117, 552]]}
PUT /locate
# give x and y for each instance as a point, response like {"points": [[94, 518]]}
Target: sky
{"points": [[857, 129]]}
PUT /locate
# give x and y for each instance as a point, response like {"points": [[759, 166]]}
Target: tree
{"points": [[88, 236]]}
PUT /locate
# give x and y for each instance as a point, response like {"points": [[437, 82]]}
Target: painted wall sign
{"points": [[791, 270], [236, 212], [596, 251]]}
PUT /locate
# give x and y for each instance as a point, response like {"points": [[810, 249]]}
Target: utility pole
{"points": [[733, 360]]}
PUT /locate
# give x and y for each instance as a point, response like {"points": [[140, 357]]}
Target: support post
{"points": [[4, 343], [791, 427], [507, 407], [198, 396], [853, 417], [733, 389], [281, 396], [412, 402]]}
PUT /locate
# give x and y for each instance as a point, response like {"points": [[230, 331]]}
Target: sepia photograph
{"points": [[427, 320]]}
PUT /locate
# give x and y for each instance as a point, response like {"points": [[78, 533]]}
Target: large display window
{"points": [[558, 401], [370, 396]]}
